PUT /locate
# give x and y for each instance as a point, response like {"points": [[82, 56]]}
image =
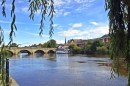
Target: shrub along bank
{"points": [[96, 47]]}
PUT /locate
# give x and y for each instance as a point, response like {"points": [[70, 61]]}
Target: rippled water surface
{"points": [[65, 70]]}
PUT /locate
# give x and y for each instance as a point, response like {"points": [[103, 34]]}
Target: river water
{"points": [[65, 70]]}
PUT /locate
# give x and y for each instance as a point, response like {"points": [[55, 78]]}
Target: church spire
{"points": [[65, 40]]}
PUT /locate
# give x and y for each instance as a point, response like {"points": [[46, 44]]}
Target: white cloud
{"points": [[62, 5], [77, 25], [59, 28], [60, 41], [68, 1], [72, 32], [83, 1], [100, 30], [25, 9], [35, 34], [59, 12], [1, 21], [66, 13], [83, 7], [94, 23], [59, 2], [91, 33], [20, 1], [38, 12], [55, 25], [6, 32], [80, 37]]}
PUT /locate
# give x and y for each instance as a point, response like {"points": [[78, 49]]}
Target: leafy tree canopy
{"points": [[14, 45], [49, 44]]}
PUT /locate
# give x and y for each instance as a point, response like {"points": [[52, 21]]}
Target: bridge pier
{"points": [[32, 53]]}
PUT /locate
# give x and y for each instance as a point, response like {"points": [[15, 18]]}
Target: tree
{"points": [[87, 47], [75, 49], [71, 46], [45, 45], [91, 48], [14, 45], [51, 43], [47, 9], [119, 30], [119, 25], [101, 50]]}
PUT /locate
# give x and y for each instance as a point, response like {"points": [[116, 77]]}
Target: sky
{"points": [[73, 19]]}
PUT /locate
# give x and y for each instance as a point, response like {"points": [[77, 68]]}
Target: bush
{"points": [[101, 50], [77, 50]]}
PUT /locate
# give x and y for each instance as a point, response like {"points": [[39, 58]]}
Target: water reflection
{"points": [[36, 55], [65, 70]]}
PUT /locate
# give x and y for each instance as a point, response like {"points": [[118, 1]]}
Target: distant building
{"points": [[81, 42], [35, 45], [106, 39], [62, 46], [78, 42]]}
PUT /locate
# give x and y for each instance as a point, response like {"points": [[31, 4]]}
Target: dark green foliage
{"points": [[75, 49], [13, 45], [71, 46], [117, 13], [45, 45], [101, 50], [50, 44], [119, 30], [87, 47], [95, 47]]}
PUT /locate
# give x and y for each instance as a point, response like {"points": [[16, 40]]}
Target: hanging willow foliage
{"points": [[119, 27], [46, 8], [119, 30]]}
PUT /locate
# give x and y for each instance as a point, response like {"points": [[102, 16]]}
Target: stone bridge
{"points": [[30, 50]]}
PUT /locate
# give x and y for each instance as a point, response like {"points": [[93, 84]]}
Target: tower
{"points": [[65, 40]]}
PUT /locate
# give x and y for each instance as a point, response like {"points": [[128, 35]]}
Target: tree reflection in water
{"points": [[121, 67]]}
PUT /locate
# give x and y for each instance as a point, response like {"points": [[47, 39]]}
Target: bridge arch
{"points": [[8, 52], [25, 51], [51, 51], [39, 51]]}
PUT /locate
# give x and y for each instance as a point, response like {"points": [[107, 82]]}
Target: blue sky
{"points": [[77, 19]]}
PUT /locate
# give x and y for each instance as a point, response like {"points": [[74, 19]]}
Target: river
{"points": [[65, 70]]}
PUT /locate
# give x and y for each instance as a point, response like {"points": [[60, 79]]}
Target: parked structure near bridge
{"points": [[30, 50]]}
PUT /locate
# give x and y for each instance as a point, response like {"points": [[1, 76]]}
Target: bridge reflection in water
{"points": [[36, 55]]}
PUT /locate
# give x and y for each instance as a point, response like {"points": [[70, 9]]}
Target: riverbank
{"points": [[12, 82]]}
